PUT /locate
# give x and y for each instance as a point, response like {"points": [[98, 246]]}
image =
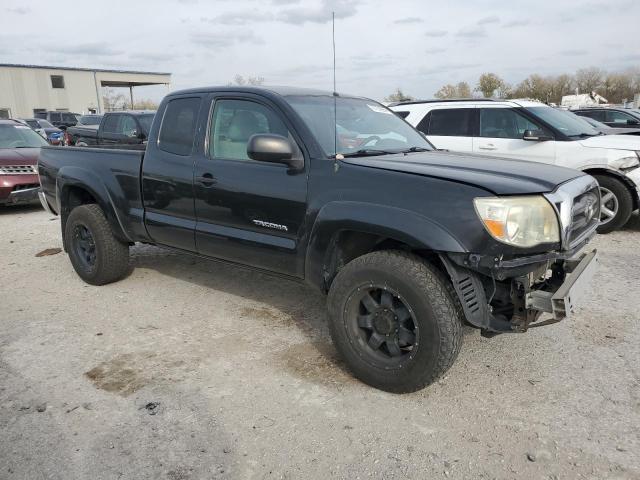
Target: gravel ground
{"points": [[189, 369]]}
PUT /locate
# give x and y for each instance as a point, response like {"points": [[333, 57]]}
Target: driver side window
{"points": [[504, 123], [233, 124]]}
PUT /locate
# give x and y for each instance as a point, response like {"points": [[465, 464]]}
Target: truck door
{"points": [[167, 174], [501, 129], [247, 211]]}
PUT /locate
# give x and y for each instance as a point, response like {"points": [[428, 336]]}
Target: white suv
{"points": [[527, 130]]}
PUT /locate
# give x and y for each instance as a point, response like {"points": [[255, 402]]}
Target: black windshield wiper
{"points": [[416, 149], [583, 135], [367, 152]]}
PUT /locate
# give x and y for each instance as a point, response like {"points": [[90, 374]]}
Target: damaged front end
{"points": [[501, 295]]}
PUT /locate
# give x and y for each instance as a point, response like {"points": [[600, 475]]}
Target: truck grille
{"points": [[585, 215], [577, 203], [18, 169]]}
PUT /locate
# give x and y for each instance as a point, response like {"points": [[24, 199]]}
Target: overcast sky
{"points": [[417, 45]]}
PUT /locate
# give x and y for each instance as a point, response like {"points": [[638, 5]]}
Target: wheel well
{"points": [[625, 181], [73, 197], [348, 245]]}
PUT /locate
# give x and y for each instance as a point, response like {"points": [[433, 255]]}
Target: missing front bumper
{"points": [[561, 302]]}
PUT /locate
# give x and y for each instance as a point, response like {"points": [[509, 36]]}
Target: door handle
{"points": [[489, 146], [206, 179]]}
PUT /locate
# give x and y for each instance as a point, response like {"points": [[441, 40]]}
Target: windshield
{"points": [[90, 120], [361, 126], [593, 122], [145, 122], [45, 124], [568, 123], [19, 136]]}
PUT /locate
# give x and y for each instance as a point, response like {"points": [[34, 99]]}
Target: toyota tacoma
{"points": [[407, 242]]}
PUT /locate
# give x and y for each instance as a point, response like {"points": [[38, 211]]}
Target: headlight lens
{"points": [[520, 221]]}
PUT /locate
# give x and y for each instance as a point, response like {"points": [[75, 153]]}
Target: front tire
{"points": [[394, 319], [97, 256], [616, 205]]}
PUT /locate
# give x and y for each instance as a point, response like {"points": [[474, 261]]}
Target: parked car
{"points": [[90, 119], [59, 119], [115, 128], [51, 134], [612, 117], [19, 149], [602, 128], [535, 132], [408, 242]]}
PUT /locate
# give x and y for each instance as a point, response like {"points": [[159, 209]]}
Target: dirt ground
{"points": [[190, 369]]}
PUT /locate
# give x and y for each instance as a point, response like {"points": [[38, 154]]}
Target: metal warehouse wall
{"points": [[24, 89]]}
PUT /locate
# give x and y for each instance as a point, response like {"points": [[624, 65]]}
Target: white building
{"points": [[28, 89]]}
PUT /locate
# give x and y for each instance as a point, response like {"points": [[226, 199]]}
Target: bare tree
{"points": [[145, 104], [461, 90], [253, 81], [589, 79], [398, 96], [114, 101], [447, 91], [488, 83]]}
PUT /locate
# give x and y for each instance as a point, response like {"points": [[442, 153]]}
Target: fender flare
{"points": [[606, 170], [410, 228], [73, 176]]}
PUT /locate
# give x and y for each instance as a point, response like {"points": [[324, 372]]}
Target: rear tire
{"points": [[617, 203], [412, 331], [97, 256]]}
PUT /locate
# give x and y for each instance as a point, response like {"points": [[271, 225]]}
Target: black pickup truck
{"points": [[339, 192], [124, 128]]}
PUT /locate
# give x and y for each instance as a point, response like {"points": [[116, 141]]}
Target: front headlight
{"points": [[520, 221]]}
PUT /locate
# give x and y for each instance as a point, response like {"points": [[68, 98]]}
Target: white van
{"points": [[528, 130]]}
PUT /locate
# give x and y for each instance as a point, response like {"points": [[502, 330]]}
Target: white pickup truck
{"points": [[528, 130]]}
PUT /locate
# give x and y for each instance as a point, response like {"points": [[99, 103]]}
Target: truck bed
{"points": [[108, 175]]}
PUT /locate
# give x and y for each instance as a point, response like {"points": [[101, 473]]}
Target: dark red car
{"points": [[19, 150]]}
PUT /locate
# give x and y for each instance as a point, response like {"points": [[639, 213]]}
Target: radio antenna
{"points": [[333, 37], [335, 93]]}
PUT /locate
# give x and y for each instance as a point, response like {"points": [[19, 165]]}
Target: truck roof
{"points": [[283, 91]]}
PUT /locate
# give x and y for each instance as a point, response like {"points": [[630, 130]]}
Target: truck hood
{"points": [[617, 142], [497, 175], [19, 156]]}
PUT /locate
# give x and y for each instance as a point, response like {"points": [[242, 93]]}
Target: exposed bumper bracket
{"points": [[560, 303]]}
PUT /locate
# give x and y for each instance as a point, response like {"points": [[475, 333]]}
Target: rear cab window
{"points": [[178, 126]]}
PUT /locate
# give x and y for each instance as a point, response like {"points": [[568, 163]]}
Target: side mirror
{"points": [[536, 136], [633, 122], [267, 147]]}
